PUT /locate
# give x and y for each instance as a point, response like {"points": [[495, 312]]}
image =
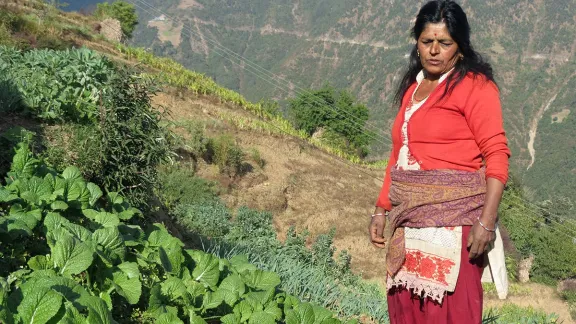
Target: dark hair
{"points": [[453, 16]]}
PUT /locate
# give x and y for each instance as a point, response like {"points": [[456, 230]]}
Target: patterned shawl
{"points": [[430, 198]]}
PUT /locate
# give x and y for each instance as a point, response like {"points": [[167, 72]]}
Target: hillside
{"points": [[225, 154], [361, 45]]}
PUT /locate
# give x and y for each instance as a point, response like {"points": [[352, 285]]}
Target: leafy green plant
{"points": [[55, 85], [304, 273], [73, 144], [70, 254], [253, 226], [132, 140]]}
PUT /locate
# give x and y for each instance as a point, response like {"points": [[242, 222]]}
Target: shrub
{"points": [[132, 139], [6, 36], [197, 144], [253, 226], [323, 249], [335, 112], [255, 156], [122, 11], [533, 235], [212, 219], [225, 153], [179, 185]]}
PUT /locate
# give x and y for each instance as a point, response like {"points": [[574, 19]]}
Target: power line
{"points": [[547, 225], [533, 215], [518, 198], [266, 75]]}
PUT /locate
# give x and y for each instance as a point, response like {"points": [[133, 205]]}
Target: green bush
{"points": [[6, 36], [533, 233], [257, 158], [122, 11], [212, 219], [180, 185], [224, 152], [197, 144], [343, 120], [253, 226], [133, 142]]}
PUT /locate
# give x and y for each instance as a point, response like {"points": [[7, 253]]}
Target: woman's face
{"points": [[438, 51]]}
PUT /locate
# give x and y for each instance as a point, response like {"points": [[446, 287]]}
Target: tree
{"points": [[123, 12], [342, 120]]}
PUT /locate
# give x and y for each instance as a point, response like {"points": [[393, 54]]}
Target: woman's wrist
{"points": [[489, 220], [487, 227], [379, 211]]}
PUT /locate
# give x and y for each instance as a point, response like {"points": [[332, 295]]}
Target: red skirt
{"points": [[464, 305]]}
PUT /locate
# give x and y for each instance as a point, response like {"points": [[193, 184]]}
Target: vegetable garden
{"points": [[78, 239]]}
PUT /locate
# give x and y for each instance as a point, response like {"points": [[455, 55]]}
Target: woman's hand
{"points": [[479, 239], [376, 228]]}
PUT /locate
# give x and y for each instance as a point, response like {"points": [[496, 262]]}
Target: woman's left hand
{"points": [[479, 239]]}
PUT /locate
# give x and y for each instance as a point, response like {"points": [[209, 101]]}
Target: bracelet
{"points": [[484, 226], [381, 214]]}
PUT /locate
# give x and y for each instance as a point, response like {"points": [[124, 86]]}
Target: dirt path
{"points": [[534, 129]]}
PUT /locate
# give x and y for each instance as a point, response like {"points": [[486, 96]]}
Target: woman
{"points": [[437, 211]]}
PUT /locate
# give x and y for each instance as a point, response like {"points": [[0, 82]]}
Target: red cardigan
{"points": [[462, 131]]}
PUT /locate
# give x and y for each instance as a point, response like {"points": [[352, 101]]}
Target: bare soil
{"points": [[303, 186]]}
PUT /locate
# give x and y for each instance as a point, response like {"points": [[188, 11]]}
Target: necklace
{"points": [[413, 98]]}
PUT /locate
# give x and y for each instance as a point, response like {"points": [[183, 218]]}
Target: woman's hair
{"points": [[450, 13]]}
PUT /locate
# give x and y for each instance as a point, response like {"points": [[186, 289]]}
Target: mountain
{"points": [[362, 45], [78, 5]]}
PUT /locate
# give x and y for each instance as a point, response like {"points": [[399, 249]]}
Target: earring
{"points": [[461, 57], [418, 53]]}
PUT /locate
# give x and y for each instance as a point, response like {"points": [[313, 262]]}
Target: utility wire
{"points": [[516, 204], [266, 75]]}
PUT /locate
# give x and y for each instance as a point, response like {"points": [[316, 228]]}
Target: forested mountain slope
{"points": [[361, 45]]}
